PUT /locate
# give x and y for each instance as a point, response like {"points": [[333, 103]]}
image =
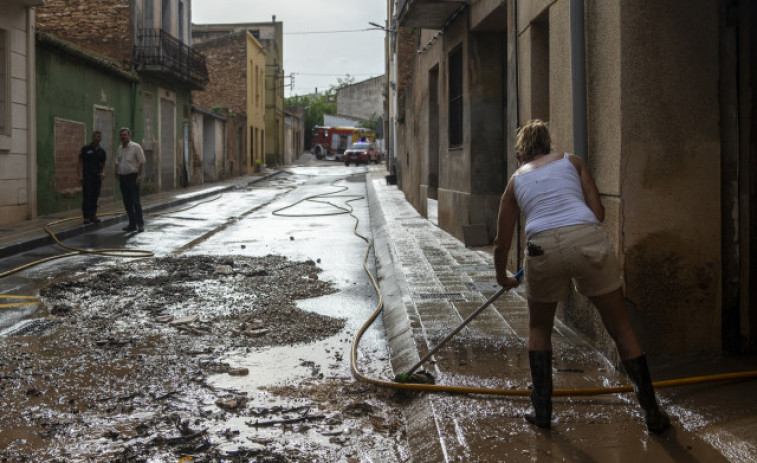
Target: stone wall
{"points": [[103, 26], [227, 68]]}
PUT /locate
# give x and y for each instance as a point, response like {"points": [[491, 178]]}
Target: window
{"points": [[456, 97], [256, 85], [182, 38], [165, 20], [4, 80], [148, 11]]}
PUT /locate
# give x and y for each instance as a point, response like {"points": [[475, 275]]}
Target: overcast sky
{"points": [[319, 56]]}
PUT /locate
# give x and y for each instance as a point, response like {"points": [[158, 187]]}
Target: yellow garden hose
{"points": [[504, 392], [108, 252]]}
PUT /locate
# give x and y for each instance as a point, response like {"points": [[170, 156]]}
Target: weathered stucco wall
{"points": [[604, 128], [363, 99], [671, 172], [652, 70], [468, 179], [72, 92]]}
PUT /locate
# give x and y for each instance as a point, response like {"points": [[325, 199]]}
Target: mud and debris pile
{"points": [[119, 370]]}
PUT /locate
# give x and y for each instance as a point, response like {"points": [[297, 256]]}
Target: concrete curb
{"points": [[419, 414]]}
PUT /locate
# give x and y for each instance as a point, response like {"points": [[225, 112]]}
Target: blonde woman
{"points": [[565, 241]]}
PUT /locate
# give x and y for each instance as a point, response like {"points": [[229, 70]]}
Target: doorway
{"points": [[738, 70]]}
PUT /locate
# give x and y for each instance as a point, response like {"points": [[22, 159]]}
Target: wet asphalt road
{"points": [[314, 212], [271, 217]]}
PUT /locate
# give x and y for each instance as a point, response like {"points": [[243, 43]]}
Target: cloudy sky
{"points": [[314, 51]]}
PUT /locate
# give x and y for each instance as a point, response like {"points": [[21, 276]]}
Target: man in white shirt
{"points": [[130, 162]]}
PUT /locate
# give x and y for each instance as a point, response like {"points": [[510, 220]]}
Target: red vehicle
{"points": [[361, 152], [333, 141]]}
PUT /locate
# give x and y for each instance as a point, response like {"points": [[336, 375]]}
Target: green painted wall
{"points": [[71, 90]]}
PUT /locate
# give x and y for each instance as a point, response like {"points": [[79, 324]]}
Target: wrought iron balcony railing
{"points": [[157, 50]]}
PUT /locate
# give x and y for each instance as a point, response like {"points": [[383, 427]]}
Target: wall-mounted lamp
{"points": [[378, 26]]}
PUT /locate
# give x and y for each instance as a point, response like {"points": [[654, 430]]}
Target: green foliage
{"points": [[316, 105], [371, 123], [343, 82]]}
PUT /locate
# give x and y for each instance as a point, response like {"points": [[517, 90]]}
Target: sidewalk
{"points": [[22, 236], [431, 282]]}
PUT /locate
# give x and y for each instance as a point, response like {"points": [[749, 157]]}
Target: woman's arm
{"points": [[589, 187], [506, 220]]}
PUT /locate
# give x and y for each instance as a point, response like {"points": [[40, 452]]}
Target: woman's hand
{"points": [[508, 282]]}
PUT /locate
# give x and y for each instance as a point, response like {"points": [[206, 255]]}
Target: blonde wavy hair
{"points": [[533, 139]]}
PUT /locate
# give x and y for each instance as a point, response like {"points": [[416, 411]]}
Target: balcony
{"points": [[160, 52], [427, 14]]}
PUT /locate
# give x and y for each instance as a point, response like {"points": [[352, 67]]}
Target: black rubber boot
{"points": [[541, 393], [638, 372]]}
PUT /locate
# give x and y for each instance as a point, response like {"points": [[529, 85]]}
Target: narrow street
{"points": [[231, 343]]}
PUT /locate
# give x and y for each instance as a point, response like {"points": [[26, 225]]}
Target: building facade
{"points": [[271, 36], [655, 96], [294, 133], [236, 66], [18, 185], [107, 65], [363, 100]]}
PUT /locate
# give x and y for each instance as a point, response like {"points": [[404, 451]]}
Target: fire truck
{"points": [[332, 141]]}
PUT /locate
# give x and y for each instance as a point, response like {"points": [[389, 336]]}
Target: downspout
{"points": [[578, 78], [31, 115], [517, 64]]}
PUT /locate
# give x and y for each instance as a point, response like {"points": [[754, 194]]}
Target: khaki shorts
{"points": [[582, 253]]}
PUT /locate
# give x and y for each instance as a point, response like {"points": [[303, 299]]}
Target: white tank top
{"points": [[551, 197]]}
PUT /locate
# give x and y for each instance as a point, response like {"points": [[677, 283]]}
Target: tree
{"points": [[371, 123], [342, 82], [315, 105]]}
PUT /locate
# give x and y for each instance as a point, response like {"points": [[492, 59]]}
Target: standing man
{"points": [[130, 161], [91, 174]]}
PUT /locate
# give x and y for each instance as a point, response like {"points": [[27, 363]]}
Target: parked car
{"points": [[361, 152]]}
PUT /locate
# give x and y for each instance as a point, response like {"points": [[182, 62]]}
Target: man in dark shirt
{"points": [[91, 172]]}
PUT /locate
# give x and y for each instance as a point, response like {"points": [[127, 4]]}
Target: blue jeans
{"points": [[132, 204]]}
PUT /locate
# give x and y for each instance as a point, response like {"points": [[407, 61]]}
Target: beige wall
{"points": [[17, 144], [470, 177], [670, 179], [653, 113], [652, 71], [256, 102]]}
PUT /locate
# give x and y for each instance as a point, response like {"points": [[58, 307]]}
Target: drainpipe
{"points": [[578, 78], [31, 115]]}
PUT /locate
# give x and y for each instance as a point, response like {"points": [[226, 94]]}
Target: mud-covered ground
{"points": [[122, 370]]}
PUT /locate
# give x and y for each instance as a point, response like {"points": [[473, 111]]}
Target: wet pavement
{"points": [[199, 350], [430, 283]]}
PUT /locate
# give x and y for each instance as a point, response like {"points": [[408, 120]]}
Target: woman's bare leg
{"points": [[612, 309], [540, 322]]}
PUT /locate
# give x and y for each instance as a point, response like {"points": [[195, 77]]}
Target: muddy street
{"points": [[230, 344]]}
